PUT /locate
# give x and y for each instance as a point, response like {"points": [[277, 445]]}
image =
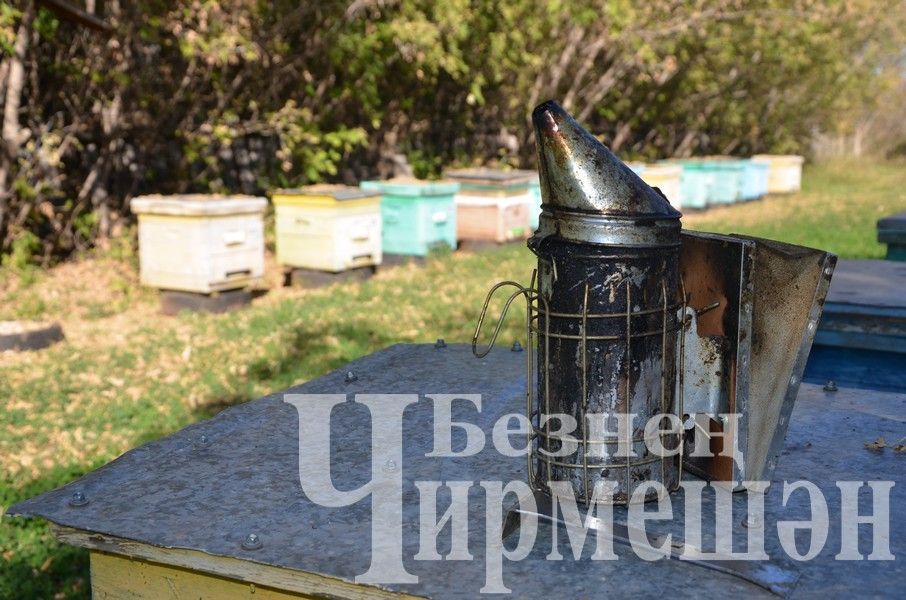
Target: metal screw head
{"points": [[517, 347], [830, 386], [78, 499], [753, 521], [251, 542], [440, 343], [350, 377]]}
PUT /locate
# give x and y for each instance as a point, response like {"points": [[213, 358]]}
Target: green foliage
{"points": [[232, 95], [21, 258]]}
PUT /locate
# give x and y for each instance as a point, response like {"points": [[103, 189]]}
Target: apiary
{"points": [[667, 178], [726, 176], [330, 228], [200, 243], [332, 489], [754, 180], [784, 172], [493, 205], [416, 216]]}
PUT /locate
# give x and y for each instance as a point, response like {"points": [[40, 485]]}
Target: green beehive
{"points": [[417, 216], [727, 176], [696, 182]]}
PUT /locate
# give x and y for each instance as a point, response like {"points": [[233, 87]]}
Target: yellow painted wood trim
{"points": [[115, 577], [324, 201], [244, 571]]}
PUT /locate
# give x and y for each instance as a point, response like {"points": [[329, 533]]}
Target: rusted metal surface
{"points": [[716, 271], [208, 486], [770, 296]]}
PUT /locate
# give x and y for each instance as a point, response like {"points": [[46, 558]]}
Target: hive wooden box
{"points": [[727, 178], [330, 228], [200, 243], [417, 216], [493, 205], [665, 177], [784, 172]]}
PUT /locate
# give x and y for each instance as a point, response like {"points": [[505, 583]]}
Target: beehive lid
{"points": [[780, 159], [484, 177], [204, 488], [196, 205], [339, 193], [409, 186], [893, 223], [728, 163], [662, 169]]}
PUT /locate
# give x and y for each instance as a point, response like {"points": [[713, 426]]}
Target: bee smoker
{"points": [[608, 249], [631, 317]]}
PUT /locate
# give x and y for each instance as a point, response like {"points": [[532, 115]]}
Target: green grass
{"points": [[126, 375]]}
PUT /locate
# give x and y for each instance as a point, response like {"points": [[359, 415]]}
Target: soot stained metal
{"points": [[608, 249], [604, 310]]}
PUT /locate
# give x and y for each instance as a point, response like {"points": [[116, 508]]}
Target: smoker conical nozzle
{"points": [[589, 195]]}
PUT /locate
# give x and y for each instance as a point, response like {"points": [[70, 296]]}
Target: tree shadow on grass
{"points": [[308, 352]]}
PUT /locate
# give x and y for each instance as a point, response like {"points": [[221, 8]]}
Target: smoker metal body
{"points": [[604, 312], [607, 325]]}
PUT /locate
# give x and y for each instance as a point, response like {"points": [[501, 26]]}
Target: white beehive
{"points": [[784, 172], [665, 177], [200, 243], [493, 205], [328, 227]]}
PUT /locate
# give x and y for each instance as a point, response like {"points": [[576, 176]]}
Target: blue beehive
{"points": [[417, 216], [535, 212], [727, 175], [754, 179]]}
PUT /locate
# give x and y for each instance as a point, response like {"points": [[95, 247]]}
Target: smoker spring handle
{"points": [[521, 290]]}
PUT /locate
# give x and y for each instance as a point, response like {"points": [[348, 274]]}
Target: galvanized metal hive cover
{"points": [[206, 487]]}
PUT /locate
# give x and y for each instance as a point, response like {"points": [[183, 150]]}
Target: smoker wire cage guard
{"points": [[584, 466]]}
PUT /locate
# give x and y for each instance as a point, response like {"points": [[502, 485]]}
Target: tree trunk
{"points": [[12, 132]]}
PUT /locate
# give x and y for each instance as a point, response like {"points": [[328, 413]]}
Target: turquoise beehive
{"points": [[696, 182], [754, 179], [727, 174], [417, 216]]}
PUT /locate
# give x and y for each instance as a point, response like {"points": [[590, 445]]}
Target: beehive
{"points": [[493, 205], [665, 177], [754, 180], [416, 216], [784, 172], [200, 243], [328, 227], [727, 175], [535, 208], [892, 231], [696, 181]]}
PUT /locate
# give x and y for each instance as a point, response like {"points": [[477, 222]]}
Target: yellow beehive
{"points": [[784, 172], [328, 227], [200, 243], [665, 177]]}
